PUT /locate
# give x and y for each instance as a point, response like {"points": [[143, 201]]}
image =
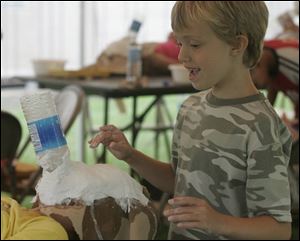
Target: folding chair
{"points": [[68, 105]]}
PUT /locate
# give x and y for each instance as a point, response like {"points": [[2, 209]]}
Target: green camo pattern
{"points": [[233, 154]]}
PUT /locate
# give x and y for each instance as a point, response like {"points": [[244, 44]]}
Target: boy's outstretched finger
{"points": [[108, 128], [96, 140], [94, 145]]}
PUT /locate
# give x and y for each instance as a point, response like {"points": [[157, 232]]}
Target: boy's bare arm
{"points": [[159, 174]]}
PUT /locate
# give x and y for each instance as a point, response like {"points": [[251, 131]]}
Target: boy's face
{"points": [[207, 58]]}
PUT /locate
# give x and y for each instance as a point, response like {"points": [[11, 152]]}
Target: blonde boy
{"points": [[230, 149]]}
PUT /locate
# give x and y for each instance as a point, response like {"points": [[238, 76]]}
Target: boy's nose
{"points": [[183, 56]]}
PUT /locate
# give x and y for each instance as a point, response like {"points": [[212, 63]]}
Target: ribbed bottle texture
{"points": [[45, 129]]}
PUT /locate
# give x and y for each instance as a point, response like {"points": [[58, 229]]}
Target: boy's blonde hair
{"points": [[228, 19]]}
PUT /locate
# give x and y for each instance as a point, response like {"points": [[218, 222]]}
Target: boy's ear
{"points": [[240, 45]]}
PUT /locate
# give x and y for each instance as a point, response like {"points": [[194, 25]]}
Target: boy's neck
{"points": [[238, 85]]}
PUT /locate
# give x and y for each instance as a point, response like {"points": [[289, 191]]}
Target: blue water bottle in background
{"points": [[134, 63], [134, 55]]}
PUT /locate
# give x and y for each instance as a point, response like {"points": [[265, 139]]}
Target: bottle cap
{"points": [[135, 26]]}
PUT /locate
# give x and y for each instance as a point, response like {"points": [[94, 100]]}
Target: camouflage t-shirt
{"points": [[233, 154]]}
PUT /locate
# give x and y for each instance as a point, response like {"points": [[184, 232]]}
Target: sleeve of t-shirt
{"points": [[267, 186], [40, 228], [18, 223]]}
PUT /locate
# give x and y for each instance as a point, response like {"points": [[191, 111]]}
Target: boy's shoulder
{"points": [[254, 108], [196, 98]]}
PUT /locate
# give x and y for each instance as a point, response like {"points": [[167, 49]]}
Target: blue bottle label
{"points": [[134, 54], [46, 134]]}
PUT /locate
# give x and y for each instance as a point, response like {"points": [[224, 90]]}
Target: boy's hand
{"points": [[114, 140], [191, 212]]}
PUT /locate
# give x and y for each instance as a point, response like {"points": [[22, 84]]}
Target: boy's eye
{"points": [[179, 44], [195, 45]]}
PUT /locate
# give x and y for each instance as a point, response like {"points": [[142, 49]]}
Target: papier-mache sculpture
{"points": [[91, 201]]}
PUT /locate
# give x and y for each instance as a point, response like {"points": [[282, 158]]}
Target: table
{"points": [[11, 83], [110, 88]]}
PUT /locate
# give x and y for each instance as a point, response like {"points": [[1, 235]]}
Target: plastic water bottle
{"points": [[134, 63], [133, 30], [45, 129], [134, 55]]}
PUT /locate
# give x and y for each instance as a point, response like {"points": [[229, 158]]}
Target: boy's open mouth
{"points": [[193, 72]]}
